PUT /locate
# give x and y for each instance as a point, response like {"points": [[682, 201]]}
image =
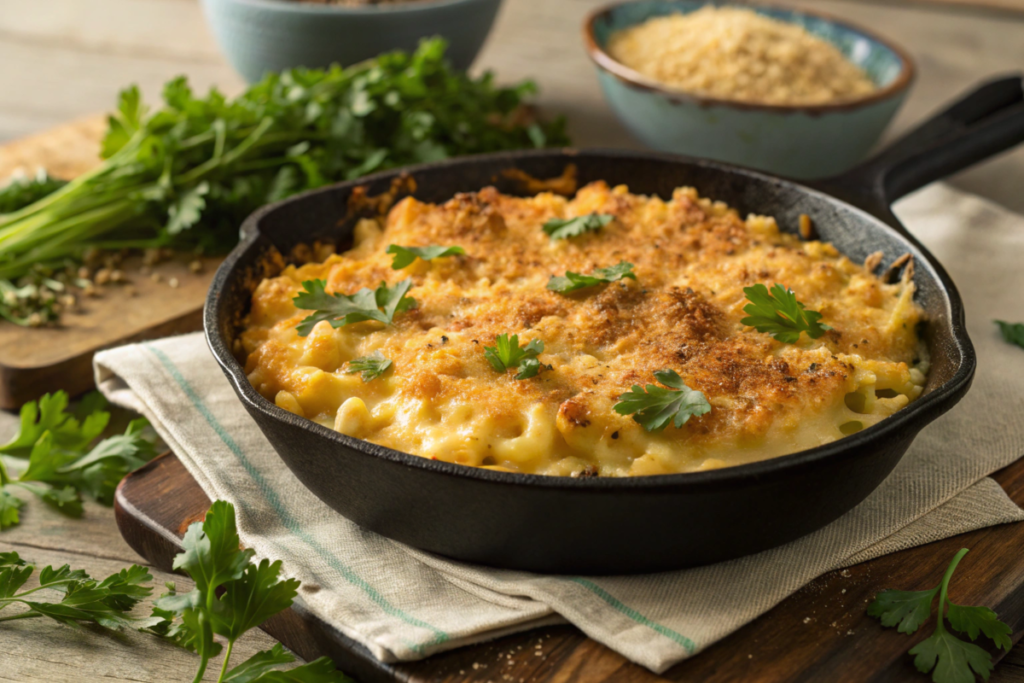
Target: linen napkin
{"points": [[405, 604]]}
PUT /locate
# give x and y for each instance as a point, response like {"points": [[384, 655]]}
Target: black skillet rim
{"points": [[923, 410]]}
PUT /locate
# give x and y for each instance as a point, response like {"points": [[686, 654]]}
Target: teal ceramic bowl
{"points": [[258, 36], [796, 141]]}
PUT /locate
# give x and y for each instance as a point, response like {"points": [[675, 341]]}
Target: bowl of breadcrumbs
{"points": [[782, 90]]}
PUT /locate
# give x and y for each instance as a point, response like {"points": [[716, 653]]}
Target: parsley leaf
{"points": [[780, 314], [656, 407], [60, 465], [107, 602], [232, 595], [406, 255], [10, 509], [1013, 333], [564, 228], [909, 609], [952, 659], [344, 309], [372, 366], [49, 414], [972, 620], [570, 282], [507, 354], [22, 191]]}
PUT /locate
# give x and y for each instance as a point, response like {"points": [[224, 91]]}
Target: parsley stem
{"points": [[940, 627], [227, 657], [23, 615]]}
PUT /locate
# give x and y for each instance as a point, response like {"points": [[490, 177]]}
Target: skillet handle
{"points": [[980, 124]]}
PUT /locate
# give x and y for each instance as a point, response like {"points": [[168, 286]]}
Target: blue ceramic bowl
{"points": [[258, 36], [796, 141]]}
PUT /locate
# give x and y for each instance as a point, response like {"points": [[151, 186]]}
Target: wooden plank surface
{"points": [[821, 633]]}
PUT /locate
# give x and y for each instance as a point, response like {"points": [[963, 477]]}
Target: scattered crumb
{"points": [[84, 273], [155, 277], [173, 282], [843, 591], [476, 665], [845, 573], [807, 620], [849, 632], [117, 276], [833, 624], [750, 656], [102, 276], [196, 266]]}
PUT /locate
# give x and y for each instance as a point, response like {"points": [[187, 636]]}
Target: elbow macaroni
{"points": [[692, 258]]}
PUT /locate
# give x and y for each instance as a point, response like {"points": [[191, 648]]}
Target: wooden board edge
{"points": [[299, 631], [21, 384]]}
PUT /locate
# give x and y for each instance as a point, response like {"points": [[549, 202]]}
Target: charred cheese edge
{"points": [[692, 258]]}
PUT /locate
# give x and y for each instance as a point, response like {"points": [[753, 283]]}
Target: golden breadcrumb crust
{"points": [[692, 258]]}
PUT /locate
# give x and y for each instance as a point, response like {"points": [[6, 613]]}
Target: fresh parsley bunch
{"points": [[58, 462], [952, 659], [186, 174]]}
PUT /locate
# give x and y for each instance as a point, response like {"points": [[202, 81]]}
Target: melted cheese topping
{"points": [[692, 257]]}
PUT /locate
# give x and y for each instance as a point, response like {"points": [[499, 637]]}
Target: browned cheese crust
{"points": [[692, 258]]}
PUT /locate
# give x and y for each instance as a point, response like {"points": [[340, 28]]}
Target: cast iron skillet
{"points": [[643, 524]]}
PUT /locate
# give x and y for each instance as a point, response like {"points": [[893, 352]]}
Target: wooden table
{"points": [[68, 58]]}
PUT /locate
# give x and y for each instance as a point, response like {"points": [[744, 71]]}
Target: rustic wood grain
{"points": [[821, 633]]}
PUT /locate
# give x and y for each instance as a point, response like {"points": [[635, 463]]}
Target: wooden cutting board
{"points": [[36, 361], [821, 633]]}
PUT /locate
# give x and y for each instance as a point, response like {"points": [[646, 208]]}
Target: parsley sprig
{"points": [[53, 452], [372, 366], [1013, 333], [232, 595], [404, 256], [571, 282], [656, 407], [780, 314], [379, 304], [564, 228], [83, 599], [951, 658], [506, 354]]}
